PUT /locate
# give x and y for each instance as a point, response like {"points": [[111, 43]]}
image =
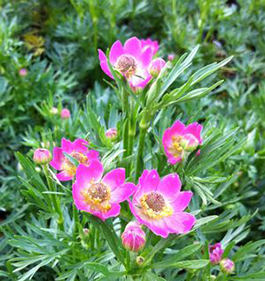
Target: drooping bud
{"points": [[42, 156], [65, 114], [189, 142], [227, 266], [23, 72], [156, 66], [215, 252], [133, 237], [171, 57], [111, 134]]}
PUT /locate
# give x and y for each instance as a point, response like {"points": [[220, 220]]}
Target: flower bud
{"points": [[215, 253], [65, 114], [42, 156], [54, 111], [139, 260], [189, 142], [211, 278], [227, 266], [171, 57], [23, 72], [111, 134], [133, 237], [156, 66]]}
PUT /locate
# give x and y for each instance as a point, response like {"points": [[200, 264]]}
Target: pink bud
{"points": [[156, 66], [133, 237], [65, 114], [42, 156], [111, 134], [23, 72], [215, 252], [227, 266], [189, 142], [171, 57]]}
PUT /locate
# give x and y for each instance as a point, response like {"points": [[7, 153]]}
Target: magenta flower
{"points": [[179, 140], [100, 196], [131, 60], [148, 43], [215, 252], [42, 156], [65, 114], [156, 66], [133, 237], [77, 150], [159, 204], [227, 266]]}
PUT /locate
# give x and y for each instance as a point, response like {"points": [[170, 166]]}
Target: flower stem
{"points": [[125, 108]]}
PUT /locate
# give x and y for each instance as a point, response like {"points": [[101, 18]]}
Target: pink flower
{"points": [[100, 196], [215, 253], [65, 114], [131, 60], [111, 134], [23, 72], [178, 140], [148, 43], [227, 266], [156, 66], [159, 204], [42, 156], [133, 237], [171, 57], [77, 150]]}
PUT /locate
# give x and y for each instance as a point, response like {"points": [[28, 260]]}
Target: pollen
{"points": [[68, 167], [98, 196], [126, 65], [176, 149], [155, 206]]}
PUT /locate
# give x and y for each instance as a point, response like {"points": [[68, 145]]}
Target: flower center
{"points": [[154, 205], [68, 167], [98, 196], [126, 65], [176, 149]]}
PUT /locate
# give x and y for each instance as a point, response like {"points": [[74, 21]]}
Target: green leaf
{"points": [[191, 264], [71, 159]]}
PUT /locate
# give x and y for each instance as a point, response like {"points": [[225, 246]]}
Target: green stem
{"points": [[76, 221], [126, 123], [144, 124], [54, 198]]}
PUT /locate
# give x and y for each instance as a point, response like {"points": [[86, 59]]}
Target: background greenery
{"points": [[57, 42]]}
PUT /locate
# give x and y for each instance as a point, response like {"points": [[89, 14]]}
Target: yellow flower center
{"points": [[68, 167], [176, 149], [98, 196], [126, 65], [154, 205]]}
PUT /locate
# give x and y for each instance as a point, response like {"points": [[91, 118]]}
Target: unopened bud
{"points": [[65, 114], [227, 266], [133, 237], [111, 134], [171, 57], [156, 66], [215, 252], [54, 111], [23, 72], [189, 142], [42, 156], [139, 260]]}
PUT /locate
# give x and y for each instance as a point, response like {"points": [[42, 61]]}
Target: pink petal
{"points": [[104, 66], [174, 160], [177, 128], [78, 198], [67, 146], [170, 186], [80, 145], [115, 52], [114, 178], [133, 47], [148, 183], [58, 158], [194, 129], [122, 192], [182, 201], [113, 212], [102, 57], [63, 177], [146, 57], [92, 154], [180, 222]]}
